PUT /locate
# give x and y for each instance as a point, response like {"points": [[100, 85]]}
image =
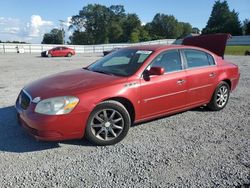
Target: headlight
{"points": [[57, 105]]}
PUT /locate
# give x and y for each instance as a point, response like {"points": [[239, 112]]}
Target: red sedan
{"points": [[131, 85], [60, 51]]}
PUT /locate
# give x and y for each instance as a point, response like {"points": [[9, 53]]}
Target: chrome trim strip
{"points": [[200, 67], [17, 105], [165, 73], [166, 95], [200, 87], [27, 95]]}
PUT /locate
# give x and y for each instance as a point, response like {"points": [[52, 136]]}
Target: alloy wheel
{"points": [[222, 96], [107, 124]]}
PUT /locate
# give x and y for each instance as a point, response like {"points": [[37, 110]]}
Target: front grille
{"points": [[24, 100]]}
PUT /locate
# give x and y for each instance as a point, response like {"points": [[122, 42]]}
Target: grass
{"points": [[236, 50]]}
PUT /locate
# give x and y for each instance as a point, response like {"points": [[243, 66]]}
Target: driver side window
{"points": [[169, 60]]}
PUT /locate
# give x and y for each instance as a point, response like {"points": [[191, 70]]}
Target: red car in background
{"points": [[128, 86], [60, 51]]}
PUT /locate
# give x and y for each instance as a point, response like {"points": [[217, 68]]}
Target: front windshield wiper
{"points": [[102, 72]]}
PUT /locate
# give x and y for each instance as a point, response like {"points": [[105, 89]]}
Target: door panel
{"points": [[162, 94], [64, 51], [56, 52], [60, 52], [201, 84], [201, 76]]}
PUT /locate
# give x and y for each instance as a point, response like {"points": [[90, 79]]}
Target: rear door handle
{"points": [[181, 81], [212, 74]]}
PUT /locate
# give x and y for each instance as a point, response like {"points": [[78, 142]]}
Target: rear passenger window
{"points": [[210, 59], [169, 60], [196, 58]]}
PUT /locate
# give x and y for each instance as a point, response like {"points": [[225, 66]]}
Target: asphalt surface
{"points": [[196, 148]]}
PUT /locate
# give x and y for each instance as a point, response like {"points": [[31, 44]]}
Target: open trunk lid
{"points": [[215, 43]]}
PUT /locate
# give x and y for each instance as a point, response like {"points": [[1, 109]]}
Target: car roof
{"points": [[61, 47], [155, 47], [159, 47]]}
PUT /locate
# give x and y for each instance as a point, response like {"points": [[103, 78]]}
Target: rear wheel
{"points": [[108, 123], [220, 97], [49, 55]]}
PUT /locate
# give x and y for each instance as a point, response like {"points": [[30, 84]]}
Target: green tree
{"points": [[165, 26], [144, 34], [196, 30], [131, 25], [80, 37], [222, 20], [94, 20], [106, 24], [101, 23], [246, 27], [134, 36], [115, 30], [55, 36], [185, 29], [97, 24]]}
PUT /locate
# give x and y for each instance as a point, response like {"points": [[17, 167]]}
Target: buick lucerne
{"points": [[131, 85]]}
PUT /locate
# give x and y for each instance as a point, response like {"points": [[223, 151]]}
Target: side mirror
{"points": [[156, 71]]}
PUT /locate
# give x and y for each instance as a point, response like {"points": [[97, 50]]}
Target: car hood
{"points": [[215, 43], [70, 83]]}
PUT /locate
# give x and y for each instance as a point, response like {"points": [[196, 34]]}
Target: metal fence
{"points": [[38, 48]]}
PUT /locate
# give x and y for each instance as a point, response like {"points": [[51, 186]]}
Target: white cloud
{"points": [[11, 21], [11, 30], [67, 22], [32, 31], [38, 26]]}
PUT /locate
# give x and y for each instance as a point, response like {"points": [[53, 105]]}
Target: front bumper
{"points": [[52, 127], [44, 54]]}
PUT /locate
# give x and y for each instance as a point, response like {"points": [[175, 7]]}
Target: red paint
{"points": [[156, 71], [61, 52], [160, 95], [215, 43]]}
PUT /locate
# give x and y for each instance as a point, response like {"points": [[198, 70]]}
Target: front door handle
{"points": [[181, 81], [212, 74]]}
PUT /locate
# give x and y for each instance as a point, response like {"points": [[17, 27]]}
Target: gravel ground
{"points": [[197, 148]]}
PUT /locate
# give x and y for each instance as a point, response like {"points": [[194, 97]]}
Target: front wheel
{"points": [[49, 55], [220, 97], [108, 123], [69, 55]]}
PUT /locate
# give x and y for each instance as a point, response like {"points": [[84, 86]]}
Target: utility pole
{"points": [[62, 23]]}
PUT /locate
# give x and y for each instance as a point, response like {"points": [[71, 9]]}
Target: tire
{"points": [[108, 123], [49, 55], [69, 54], [220, 97]]}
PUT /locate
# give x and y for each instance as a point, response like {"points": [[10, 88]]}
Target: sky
{"points": [[28, 20]]}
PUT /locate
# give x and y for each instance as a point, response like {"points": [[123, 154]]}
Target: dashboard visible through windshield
{"points": [[124, 62]]}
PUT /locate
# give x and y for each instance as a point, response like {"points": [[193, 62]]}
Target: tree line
{"points": [[14, 41], [98, 24]]}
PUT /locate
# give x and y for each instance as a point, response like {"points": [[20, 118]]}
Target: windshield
{"points": [[123, 62]]}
